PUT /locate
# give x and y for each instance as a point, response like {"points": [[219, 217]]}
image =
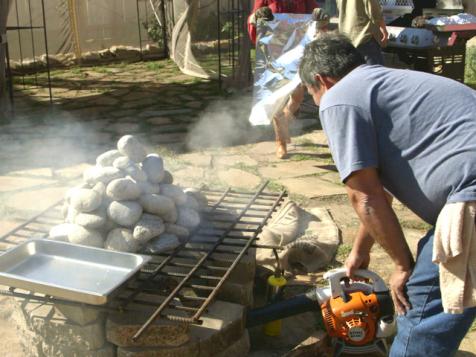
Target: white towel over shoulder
{"points": [[454, 250]]}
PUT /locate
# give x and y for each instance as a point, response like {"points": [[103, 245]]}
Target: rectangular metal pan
{"points": [[69, 271]]}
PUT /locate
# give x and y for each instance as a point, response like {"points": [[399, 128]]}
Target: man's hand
{"points": [[383, 33], [397, 288], [356, 261]]}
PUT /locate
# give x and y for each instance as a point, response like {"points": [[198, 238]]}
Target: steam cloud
{"points": [[223, 124]]}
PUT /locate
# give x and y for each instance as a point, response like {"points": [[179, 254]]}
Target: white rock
{"points": [[92, 220], [121, 239], [64, 209], [168, 178], [192, 202], [84, 236], [122, 162], [188, 217], [157, 204], [61, 232], [85, 200], [148, 227], [109, 226], [174, 192], [105, 175], [71, 215], [198, 195], [71, 191], [153, 166], [147, 187], [136, 173], [124, 213], [164, 243], [107, 158], [181, 232], [123, 189], [129, 146], [100, 188]]}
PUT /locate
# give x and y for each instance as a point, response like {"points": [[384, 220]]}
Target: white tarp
{"points": [[279, 49]]}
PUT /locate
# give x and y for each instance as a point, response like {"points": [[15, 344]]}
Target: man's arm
{"points": [[369, 200], [359, 257]]}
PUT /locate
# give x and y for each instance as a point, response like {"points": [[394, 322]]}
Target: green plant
{"points": [[154, 31]]}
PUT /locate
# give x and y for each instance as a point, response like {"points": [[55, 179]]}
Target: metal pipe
{"points": [[139, 28], [280, 310], [219, 44], [46, 49]]}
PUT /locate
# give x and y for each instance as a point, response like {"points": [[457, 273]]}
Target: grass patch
{"points": [[300, 199], [155, 65], [343, 251], [251, 169], [275, 186], [301, 157], [418, 225]]}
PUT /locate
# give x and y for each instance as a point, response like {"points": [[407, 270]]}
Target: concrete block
{"points": [[238, 293], [55, 329], [238, 349], [108, 350], [222, 325], [80, 315]]}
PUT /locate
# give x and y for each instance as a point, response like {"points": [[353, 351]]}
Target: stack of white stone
{"points": [[128, 202]]}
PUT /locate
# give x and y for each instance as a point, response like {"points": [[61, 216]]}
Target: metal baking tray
{"points": [[69, 271]]}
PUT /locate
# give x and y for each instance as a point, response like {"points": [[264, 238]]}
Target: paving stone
{"points": [[187, 97], [125, 128], [164, 112], [13, 183], [197, 159], [159, 121], [44, 172], [35, 201], [139, 103], [72, 172], [160, 139], [105, 100], [264, 148], [194, 104], [290, 169], [190, 176], [122, 113], [120, 92], [312, 187], [239, 178], [220, 161]]}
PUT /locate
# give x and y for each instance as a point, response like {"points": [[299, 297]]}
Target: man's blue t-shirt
{"points": [[417, 129]]}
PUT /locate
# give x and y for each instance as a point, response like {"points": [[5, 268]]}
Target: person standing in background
{"points": [[278, 7], [362, 22]]}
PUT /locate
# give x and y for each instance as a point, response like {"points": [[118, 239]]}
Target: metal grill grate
{"points": [[180, 285]]}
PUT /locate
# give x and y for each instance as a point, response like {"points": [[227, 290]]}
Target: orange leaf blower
{"points": [[358, 314]]}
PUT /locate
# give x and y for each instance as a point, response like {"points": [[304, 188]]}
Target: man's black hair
{"points": [[331, 55]]}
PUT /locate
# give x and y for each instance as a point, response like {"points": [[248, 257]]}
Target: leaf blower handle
{"points": [[335, 276]]}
